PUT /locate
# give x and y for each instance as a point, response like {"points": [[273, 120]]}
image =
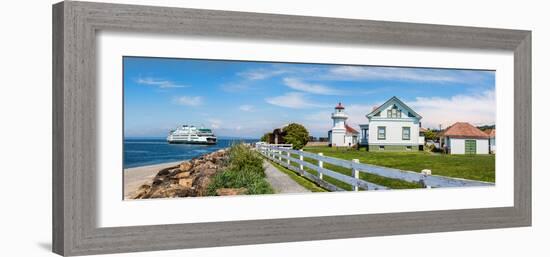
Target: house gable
{"points": [[401, 110]]}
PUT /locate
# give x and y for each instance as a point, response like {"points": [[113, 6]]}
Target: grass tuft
{"points": [[245, 170]]}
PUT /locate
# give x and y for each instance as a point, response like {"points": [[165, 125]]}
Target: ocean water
{"points": [[150, 151]]}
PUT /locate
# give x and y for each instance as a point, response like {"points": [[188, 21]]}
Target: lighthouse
{"points": [[337, 134]]}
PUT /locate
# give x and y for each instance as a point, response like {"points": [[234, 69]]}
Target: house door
{"points": [[470, 147]]}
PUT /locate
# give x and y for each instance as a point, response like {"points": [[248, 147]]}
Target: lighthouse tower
{"points": [[338, 133]]}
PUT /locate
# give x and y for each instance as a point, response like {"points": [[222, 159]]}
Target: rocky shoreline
{"points": [[188, 179]]}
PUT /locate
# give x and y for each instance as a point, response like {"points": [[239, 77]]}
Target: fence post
{"points": [[301, 159], [425, 173], [355, 174], [288, 159], [320, 166], [280, 153]]}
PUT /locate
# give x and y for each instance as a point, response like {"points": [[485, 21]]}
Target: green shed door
{"points": [[470, 147]]}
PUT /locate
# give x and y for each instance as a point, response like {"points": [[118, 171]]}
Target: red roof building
{"points": [[463, 138], [351, 130], [464, 130]]}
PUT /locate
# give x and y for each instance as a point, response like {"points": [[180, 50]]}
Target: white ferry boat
{"points": [[191, 135]]}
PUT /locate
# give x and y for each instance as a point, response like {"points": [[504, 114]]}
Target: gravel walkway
{"points": [[280, 182]]}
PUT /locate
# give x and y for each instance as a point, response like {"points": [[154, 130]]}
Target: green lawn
{"points": [[475, 167], [391, 183]]}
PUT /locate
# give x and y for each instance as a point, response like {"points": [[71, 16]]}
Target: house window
{"points": [[406, 133], [381, 133], [394, 112], [381, 147], [409, 148]]}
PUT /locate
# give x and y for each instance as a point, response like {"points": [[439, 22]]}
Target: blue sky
{"points": [[247, 99]]}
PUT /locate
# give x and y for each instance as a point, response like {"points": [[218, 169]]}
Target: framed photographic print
{"points": [[245, 128]]}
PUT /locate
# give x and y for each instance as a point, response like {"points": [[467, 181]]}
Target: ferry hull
{"points": [[192, 142]]}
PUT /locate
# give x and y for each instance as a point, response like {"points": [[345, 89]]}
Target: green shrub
{"points": [[245, 169], [297, 135], [266, 137], [242, 158]]}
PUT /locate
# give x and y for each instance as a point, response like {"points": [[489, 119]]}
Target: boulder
{"points": [[186, 182], [184, 174], [185, 166], [208, 172], [142, 191], [164, 172], [157, 181], [201, 184], [189, 178]]}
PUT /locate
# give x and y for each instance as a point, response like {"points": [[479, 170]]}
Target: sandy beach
{"points": [[135, 177]]}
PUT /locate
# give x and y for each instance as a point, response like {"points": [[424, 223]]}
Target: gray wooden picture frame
{"points": [[75, 25]]}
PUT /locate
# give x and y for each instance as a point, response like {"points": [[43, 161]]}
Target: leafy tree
{"points": [[430, 135], [265, 137], [296, 134]]}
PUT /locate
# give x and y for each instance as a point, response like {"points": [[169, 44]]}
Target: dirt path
{"points": [[280, 182]]}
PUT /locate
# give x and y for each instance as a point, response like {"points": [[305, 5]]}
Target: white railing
{"points": [[287, 157]]}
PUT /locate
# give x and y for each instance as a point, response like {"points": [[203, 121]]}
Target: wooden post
{"points": [[320, 166], [301, 159], [355, 174], [280, 158], [426, 173], [288, 160]]}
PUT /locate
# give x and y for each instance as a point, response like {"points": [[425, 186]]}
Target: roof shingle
{"points": [[464, 130], [351, 130]]}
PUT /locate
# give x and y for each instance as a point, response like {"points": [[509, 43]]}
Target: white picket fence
{"points": [[286, 156]]}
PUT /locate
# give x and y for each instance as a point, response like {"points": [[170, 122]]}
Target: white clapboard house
{"points": [[341, 133], [464, 138], [392, 126]]}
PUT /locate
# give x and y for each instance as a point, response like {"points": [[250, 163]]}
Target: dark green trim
{"points": [[470, 146], [403, 133]]}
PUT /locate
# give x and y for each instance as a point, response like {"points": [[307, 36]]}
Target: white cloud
{"points": [[260, 74], [189, 100], [299, 85], [215, 123], [404, 74], [295, 100], [477, 109], [246, 108], [276, 70], [159, 83]]}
